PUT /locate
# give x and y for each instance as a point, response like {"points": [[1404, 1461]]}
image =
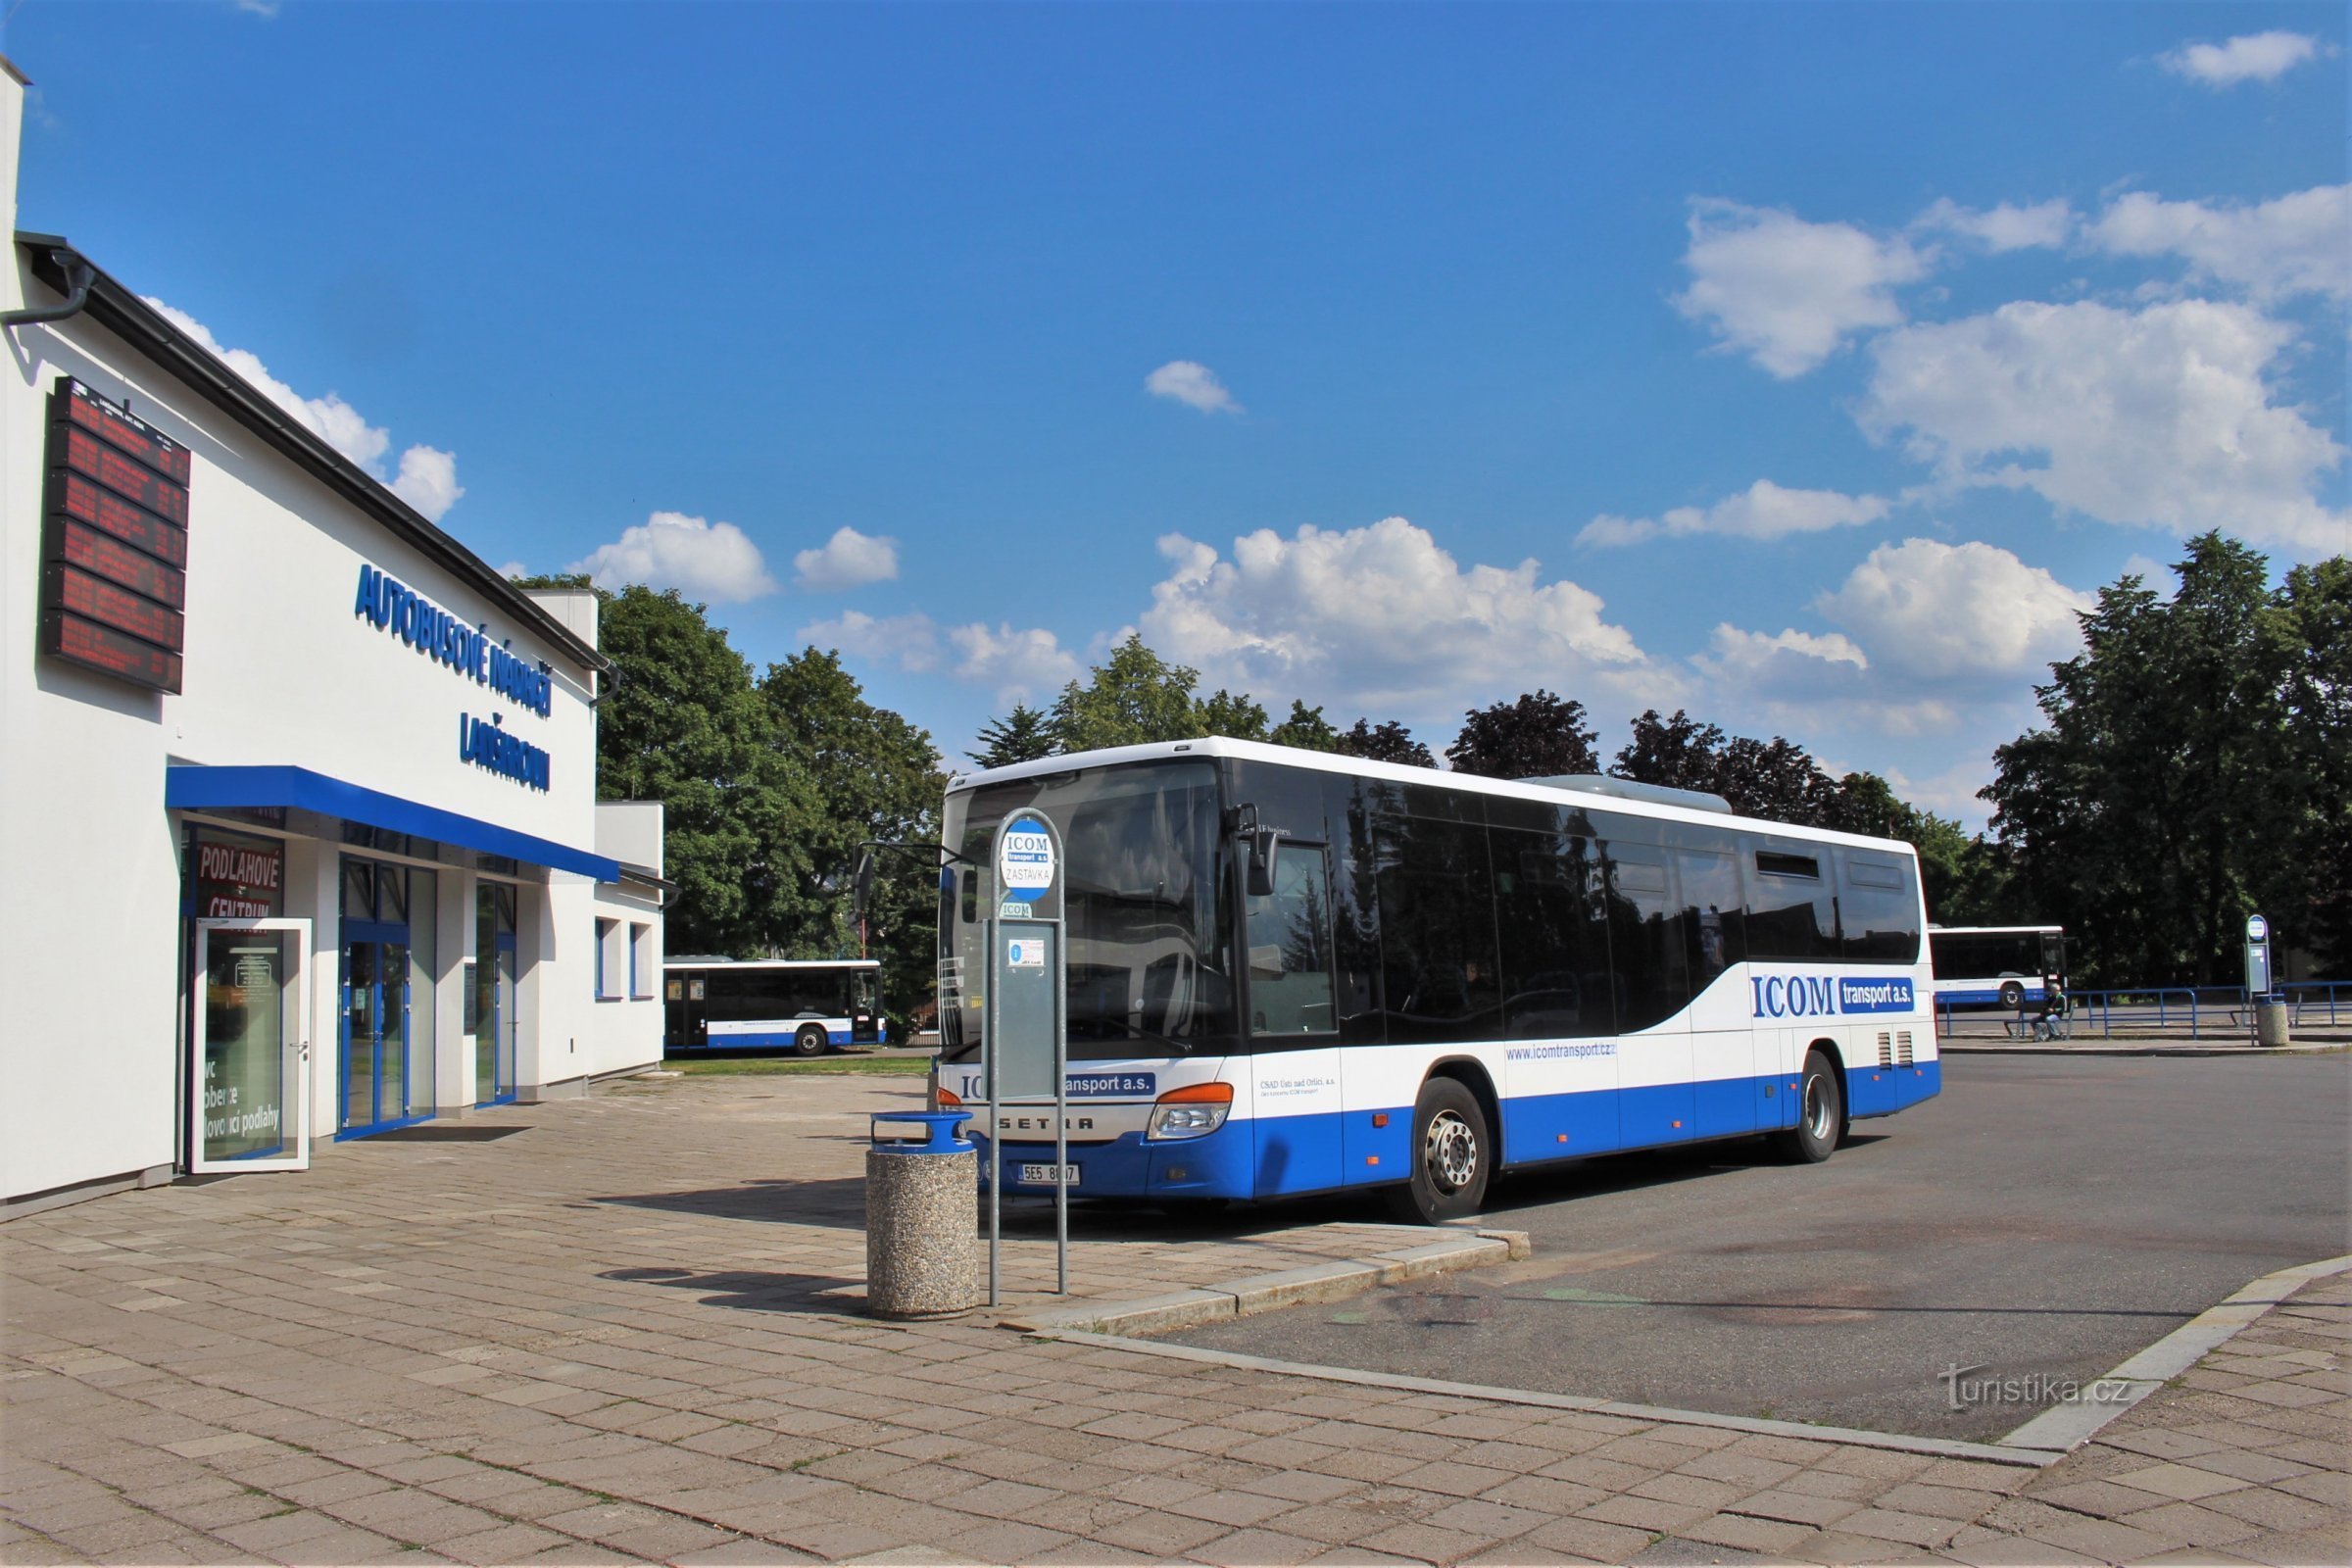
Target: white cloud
{"points": [[1382, 619], [428, 476], [909, 641], [847, 560], [2249, 57], [2159, 418], [1787, 292], [2299, 243], [1020, 665], [1192, 384], [515, 569], [429, 480], [2002, 229], [1956, 614], [713, 561], [1763, 511], [1936, 638], [1831, 647]]}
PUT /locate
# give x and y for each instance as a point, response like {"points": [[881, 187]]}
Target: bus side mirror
{"points": [[1263, 844], [862, 886]]}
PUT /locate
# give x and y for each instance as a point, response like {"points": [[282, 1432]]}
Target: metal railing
{"points": [[2201, 1013], [2316, 1001]]}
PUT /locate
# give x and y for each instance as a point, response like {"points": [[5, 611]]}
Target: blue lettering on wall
{"points": [[393, 607], [484, 744]]}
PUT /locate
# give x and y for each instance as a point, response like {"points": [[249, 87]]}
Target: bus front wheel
{"points": [[1453, 1156], [809, 1042], [1820, 1113]]}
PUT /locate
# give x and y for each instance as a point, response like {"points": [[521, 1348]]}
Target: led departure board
{"points": [[113, 541]]}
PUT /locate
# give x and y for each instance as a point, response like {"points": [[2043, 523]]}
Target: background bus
{"points": [[805, 1006], [1994, 965], [1297, 971]]}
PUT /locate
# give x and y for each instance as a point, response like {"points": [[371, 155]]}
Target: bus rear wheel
{"points": [[1453, 1156], [809, 1042], [1820, 1113]]}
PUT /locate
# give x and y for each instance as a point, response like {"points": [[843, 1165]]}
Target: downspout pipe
{"points": [[79, 275]]}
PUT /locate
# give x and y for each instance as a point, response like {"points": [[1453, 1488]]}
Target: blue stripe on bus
{"points": [[771, 1039], [1987, 999], [1292, 1155]]}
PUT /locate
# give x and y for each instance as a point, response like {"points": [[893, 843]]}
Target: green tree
{"points": [[2308, 630], [1022, 736], [1386, 742], [1235, 718], [2192, 769], [679, 721], [1132, 698], [877, 777], [1678, 753], [1539, 736], [1306, 729]]}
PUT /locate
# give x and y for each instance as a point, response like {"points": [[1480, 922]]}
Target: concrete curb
{"points": [[2067, 1427], [1942, 1447], [1948, 1048], [1266, 1292]]}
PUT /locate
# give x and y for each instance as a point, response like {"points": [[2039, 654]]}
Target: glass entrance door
{"points": [[493, 994], [249, 1105], [376, 1015]]}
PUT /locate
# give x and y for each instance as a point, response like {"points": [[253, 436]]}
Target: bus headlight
{"points": [[1192, 1111]]}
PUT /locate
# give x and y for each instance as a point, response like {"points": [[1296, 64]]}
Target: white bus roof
{"points": [[1405, 773], [692, 962], [1992, 930]]}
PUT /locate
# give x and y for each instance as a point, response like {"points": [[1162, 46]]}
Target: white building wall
{"points": [[279, 672]]}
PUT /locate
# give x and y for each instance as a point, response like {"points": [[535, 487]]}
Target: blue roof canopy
{"points": [[193, 788]]}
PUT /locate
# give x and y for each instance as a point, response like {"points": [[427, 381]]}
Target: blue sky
{"points": [[1805, 366]]}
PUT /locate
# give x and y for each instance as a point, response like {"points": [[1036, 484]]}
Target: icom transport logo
{"points": [[1824, 996], [1025, 860]]}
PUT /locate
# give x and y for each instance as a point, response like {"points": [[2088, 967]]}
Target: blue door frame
{"points": [[502, 1047], [376, 935]]}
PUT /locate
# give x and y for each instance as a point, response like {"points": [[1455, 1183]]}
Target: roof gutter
{"points": [[88, 288], [78, 274]]}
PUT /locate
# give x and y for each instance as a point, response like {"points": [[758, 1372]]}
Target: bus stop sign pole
{"points": [[1024, 1028], [2258, 971]]}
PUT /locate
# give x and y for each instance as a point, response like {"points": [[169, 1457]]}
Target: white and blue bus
{"points": [[1294, 972], [1994, 965], [805, 1007]]}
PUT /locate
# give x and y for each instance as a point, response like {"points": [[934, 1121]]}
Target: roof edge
{"points": [[131, 318]]}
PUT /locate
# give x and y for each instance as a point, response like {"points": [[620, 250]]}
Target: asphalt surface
{"points": [[2041, 1216]]}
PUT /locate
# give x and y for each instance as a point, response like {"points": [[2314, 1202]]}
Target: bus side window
{"points": [[1714, 913], [1554, 934], [1645, 941], [1877, 907], [1438, 950], [1794, 915]]}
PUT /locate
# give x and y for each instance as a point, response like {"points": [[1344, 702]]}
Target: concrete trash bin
{"points": [[2269, 1024], [921, 1236]]}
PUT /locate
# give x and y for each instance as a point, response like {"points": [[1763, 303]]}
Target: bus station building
{"points": [[299, 806]]}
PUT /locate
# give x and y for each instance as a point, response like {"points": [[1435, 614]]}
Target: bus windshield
{"points": [[1148, 939]]}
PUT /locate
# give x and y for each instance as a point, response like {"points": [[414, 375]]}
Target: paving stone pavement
{"points": [[617, 1336]]}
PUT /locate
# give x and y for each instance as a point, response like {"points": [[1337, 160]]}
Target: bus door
{"points": [[1294, 1027], [1727, 1052], [685, 1014], [1657, 1103]]}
